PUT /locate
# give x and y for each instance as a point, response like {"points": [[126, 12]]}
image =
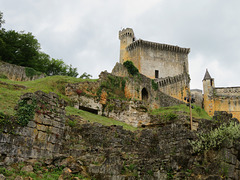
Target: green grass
{"points": [[197, 112], [9, 94], [99, 119], [50, 174]]}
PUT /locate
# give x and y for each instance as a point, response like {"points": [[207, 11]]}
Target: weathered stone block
{"points": [[42, 136], [47, 121], [32, 124]]}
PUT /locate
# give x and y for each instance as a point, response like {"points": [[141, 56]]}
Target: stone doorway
{"points": [[144, 94]]}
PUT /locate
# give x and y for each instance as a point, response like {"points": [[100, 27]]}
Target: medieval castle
{"points": [[168, 66], [164, 65]]}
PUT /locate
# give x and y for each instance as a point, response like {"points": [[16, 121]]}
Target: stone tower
{"points": [[126, 37], [208, 90]]}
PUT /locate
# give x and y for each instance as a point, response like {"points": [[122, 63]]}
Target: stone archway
{"points": [[144, 94]]}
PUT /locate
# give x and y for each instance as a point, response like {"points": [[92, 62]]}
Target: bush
{"points": [[72, 123], [131, 68], [30, 72], [170, 116], [25, 111], [2, 76], [216, 137], [154, 85]]}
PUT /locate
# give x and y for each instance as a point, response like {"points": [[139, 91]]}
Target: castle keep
{"points": [[220, 98], [153, 60], [166, 64]]}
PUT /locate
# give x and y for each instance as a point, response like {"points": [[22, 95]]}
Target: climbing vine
{"points": [[131, 68], [154, 85], [25, 111]]}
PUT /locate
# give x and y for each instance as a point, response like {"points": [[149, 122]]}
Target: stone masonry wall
{"points": [[177, 86], [42, 137], [221, 99], [16, 73]]}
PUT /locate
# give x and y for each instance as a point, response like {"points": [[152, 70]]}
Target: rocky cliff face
{"points": [[111, 152]]}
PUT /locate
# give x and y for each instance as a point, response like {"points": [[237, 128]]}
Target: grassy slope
{"points": [[197, 112], [97, 118], [9, 96]]}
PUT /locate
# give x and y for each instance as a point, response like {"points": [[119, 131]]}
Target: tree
{"points": [[19, 48], [23, 49], [85, 76], [72, 71], [1, 19]]}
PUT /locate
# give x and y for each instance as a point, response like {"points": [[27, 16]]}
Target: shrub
{"points": [[170, 116], [30, 72], [25, 111], [154, 85], [216, 137], [72, 123], [131, 68], [2, 76]]}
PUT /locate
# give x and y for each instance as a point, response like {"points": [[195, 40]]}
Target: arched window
{"points": [[144, 94]]}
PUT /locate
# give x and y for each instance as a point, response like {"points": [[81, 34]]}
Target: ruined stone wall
{"points": [[131, 108], [111, 152], [16, 73], [42, 137], [156, 153]]}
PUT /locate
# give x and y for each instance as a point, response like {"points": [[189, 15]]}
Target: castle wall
{"points": [[168, 63], [222, 99], [135, 55], [177, 86], [230, 104], [149, 57], [16, 73]]}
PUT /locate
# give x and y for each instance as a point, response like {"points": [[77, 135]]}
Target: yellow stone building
{"points": [[220, 98], [166, 64]]}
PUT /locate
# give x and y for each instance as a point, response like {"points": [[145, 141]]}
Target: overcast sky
{"points": [[84, 33]]}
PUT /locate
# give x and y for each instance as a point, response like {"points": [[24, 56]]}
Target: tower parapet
{"points": [[126, 32], [126, 37]]}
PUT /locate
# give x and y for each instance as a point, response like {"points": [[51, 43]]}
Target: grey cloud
{"points": [[85, 33]]}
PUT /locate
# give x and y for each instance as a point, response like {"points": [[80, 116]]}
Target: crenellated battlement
{"points": [[159, 46], [126, 32], [171, 80]]}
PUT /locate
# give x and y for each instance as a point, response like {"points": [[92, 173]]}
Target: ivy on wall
{"points": [[131, 68], [26, 110]]}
